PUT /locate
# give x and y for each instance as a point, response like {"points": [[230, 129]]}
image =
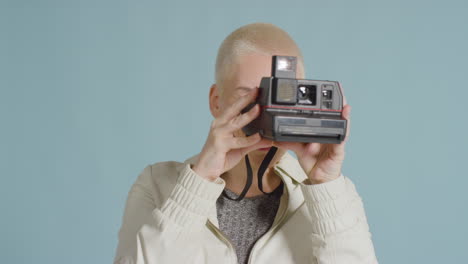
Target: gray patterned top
{"points": [[245, 221]]}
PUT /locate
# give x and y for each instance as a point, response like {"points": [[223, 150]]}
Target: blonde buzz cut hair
{"points": [[259, 38]]}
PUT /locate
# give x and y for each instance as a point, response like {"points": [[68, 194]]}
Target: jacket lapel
{"points": [[292, 174]]}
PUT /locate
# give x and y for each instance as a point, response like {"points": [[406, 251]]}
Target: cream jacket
{"points": [[170, 217]]}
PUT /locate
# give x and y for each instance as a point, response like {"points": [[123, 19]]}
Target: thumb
{"points": [[297, 147], [263, 143]]}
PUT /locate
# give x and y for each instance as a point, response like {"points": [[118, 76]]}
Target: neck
{"points": [[236, 177]]}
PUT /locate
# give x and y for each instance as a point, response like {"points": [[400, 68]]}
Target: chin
{"points": [[258, 153], [264, 151], [257, 156]]}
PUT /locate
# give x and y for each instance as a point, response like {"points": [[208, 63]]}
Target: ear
{"points": [[214, 101]]}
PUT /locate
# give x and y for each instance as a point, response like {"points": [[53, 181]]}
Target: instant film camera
{"points": [[298, 110]]}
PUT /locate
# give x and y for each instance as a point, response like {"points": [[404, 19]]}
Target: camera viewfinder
{"points": [[285, 91]]}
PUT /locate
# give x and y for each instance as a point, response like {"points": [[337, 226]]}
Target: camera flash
{"points": [[283, 67], [284, 64]]}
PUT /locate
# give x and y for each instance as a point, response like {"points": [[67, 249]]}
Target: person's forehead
{"points": [[249, 70]]}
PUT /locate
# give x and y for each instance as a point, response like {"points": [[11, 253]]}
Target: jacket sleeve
{"points": [[340, 232], [158, 234]]}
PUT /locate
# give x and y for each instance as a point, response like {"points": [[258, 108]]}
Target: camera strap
{"points": [[263, 166]]}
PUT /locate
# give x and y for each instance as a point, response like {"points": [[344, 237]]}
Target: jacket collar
{"points": [[290, 167], [287, 165], [292, 175]]}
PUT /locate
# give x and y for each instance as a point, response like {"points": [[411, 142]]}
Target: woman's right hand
{"points": [[222, 149]]}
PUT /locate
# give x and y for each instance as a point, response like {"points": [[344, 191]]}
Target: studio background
{"points": [[93, 91]]}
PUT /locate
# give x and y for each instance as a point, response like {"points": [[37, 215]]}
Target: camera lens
{"points": [[307, 94], [303, 92]]}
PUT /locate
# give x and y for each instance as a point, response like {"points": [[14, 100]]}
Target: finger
{"points": [[242, 120], [313, 148], [235, 109], [346, 114], [264, 143], [243, 142], [297, 147], [337, 151]]}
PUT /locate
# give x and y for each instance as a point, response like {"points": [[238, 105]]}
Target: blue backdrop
{"points": [[93, 91]]}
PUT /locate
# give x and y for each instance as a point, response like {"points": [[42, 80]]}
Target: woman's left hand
{"points": [[321, 162]]}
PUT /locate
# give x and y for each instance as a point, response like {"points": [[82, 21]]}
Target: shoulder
{"points": [[158, 179]]}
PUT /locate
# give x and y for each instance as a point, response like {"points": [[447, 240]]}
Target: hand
{"points": [[321, 162], [223, 150]]}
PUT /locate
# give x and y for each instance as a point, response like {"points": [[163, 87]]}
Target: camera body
{"points": [[296, 110]]}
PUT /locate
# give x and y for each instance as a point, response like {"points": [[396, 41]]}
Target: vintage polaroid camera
{"points": [[297, 110]]}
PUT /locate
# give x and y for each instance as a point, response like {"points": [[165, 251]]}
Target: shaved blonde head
{"points": [[260, 38]]}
